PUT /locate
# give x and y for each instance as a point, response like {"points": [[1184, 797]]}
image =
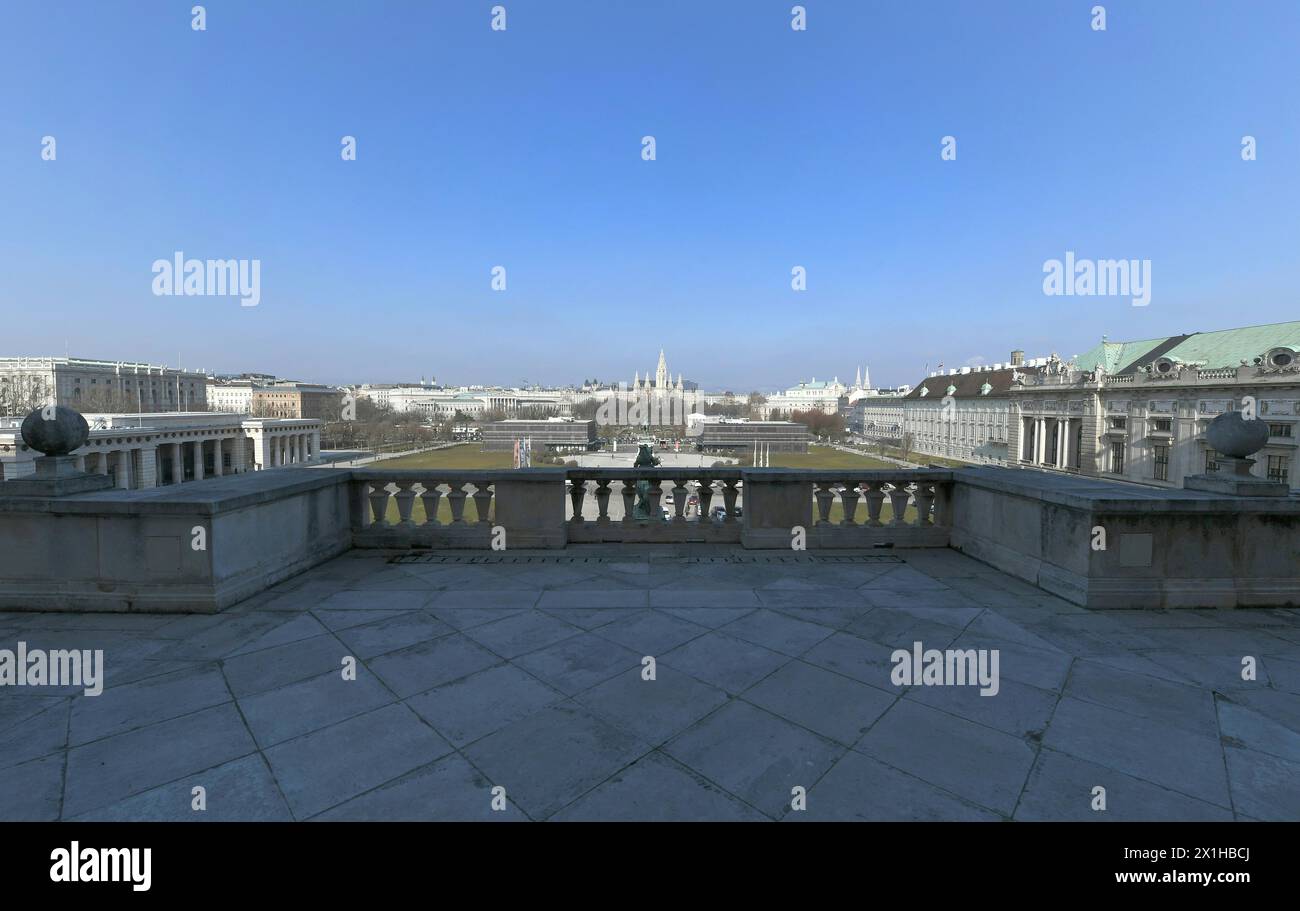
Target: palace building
{"points": [[1138, 411]]}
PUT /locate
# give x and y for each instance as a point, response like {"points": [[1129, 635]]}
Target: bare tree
{"points": [[19, 395], [905, 445]]}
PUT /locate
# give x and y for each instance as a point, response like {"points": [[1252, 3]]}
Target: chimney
{"points": [[1017, 358]]}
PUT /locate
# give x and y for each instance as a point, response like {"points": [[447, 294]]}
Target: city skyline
{"points": [[776, 149]]}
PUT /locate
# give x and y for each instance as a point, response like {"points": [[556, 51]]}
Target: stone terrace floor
{"points": [[769, 676]]}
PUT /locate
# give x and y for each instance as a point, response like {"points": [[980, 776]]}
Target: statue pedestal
{"points": [[56, 476], [1234, 478]]}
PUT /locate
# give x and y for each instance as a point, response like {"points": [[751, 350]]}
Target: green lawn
{"points": [[827, 457], [921, 458], [467, 456]]}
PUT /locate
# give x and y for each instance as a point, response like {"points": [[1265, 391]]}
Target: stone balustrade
{"points": [[528, 505], [203, 547], [782, 499], [844, 508], [683, 511]]}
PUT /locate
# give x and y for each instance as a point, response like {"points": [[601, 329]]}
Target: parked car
{"points": [[718, 513]]}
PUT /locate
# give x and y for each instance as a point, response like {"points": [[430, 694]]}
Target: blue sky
{"points": [[521, 148]]}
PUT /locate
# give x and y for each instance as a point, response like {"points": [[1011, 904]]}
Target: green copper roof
{"points": [[1230, 347], [1225, 348], [1115, 355]]}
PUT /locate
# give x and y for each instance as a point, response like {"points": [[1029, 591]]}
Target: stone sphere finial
{"points": [[55, 430], [1233, 436]]}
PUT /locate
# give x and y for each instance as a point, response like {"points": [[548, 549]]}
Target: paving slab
{"points": [[323, 769], [754, 755]]}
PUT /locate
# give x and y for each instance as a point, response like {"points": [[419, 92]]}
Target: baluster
{"points": [[924, 500], [729, 499], [483, 501], [456, 499], [825, 495], [629, 500], [849, 499], [875, 502], [379, 502], [405, 500], [898, 498], [679, 499], [705, 492], [602, 502], [430, 496], [652, 496], [577, 491]]}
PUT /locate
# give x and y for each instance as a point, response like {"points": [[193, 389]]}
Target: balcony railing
{"points": [[264, 527], [554, 507]]}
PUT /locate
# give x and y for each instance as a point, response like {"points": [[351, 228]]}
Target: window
{"points": [[1277, 468], [1211, 461], [1162, 463], [1162, 425], [1117, 458], [1279, 430], [1118, 423]]}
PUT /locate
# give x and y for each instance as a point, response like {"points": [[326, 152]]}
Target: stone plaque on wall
{"points": [[1214, 406], [1117, 406], [1162, 406]]}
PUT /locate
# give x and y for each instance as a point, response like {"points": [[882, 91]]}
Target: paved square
{"points": [[365, 689]]}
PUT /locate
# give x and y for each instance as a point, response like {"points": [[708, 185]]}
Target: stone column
{"points": [[261, 452], [148, 467], [216, 458], [315, 445], [198, 460], [120, 478]]}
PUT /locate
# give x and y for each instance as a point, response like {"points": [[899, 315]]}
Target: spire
{"points": [[636, 379], [866, 378], [662, 380], [857, 382]]}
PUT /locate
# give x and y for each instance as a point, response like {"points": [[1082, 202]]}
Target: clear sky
{"points": [[522, 148]]}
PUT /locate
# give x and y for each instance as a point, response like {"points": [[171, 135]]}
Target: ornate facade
{"points": [[1138, 410]]}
